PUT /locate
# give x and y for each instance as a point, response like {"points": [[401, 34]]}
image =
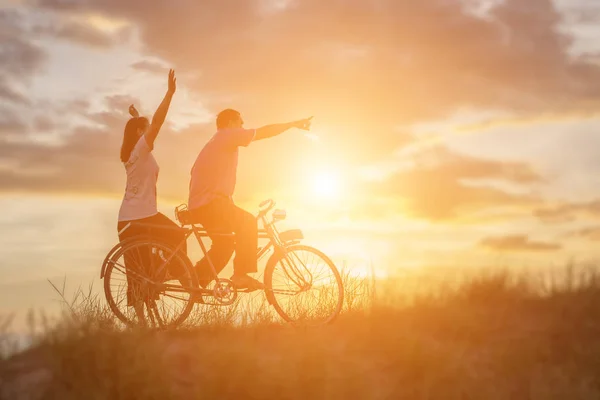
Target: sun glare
{"points": [[326, 185]]}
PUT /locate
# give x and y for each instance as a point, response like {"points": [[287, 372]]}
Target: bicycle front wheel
{"points": [[304, 286], [147, 283]]}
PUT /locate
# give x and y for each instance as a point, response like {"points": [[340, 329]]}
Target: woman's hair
{"points": [[130, 136]]}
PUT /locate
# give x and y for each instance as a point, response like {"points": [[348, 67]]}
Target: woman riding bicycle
{"points": [[139, 214]]}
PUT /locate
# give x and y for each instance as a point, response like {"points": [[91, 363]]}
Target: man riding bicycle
{"points": [[210, 202]]}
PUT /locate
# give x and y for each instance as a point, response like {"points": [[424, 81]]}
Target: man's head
{"points": [[229, 119]]}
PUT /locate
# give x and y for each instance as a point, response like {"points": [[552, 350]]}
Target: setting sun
{"points": [[326, 185]]}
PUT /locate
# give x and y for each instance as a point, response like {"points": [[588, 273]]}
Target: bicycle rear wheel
{"points": [[114, 251], [304, 286], [147, 283]]}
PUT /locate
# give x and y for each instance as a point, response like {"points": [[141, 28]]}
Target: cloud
{"points": [[439, 185], [82, 164], [86, 160], [10, 124], [519, 121], [568, 211], [463, 166], [8, 92], [410, 62], [518, 243], [43, 123], [78, 32], [19, 57], [590, 233], [150, 66]]}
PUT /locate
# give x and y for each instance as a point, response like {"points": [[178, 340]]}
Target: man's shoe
{"points": [[246, 282]]}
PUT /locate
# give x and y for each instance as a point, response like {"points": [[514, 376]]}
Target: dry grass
{"points": [[499, 336]]}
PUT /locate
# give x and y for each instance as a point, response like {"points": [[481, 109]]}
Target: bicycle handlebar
{"points": [[269, 203], [264, 203]]}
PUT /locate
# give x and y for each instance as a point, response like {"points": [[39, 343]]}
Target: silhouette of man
{"points": [[210, 202]]}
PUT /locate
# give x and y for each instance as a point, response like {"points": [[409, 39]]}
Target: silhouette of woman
{"points": [[139, 202]]}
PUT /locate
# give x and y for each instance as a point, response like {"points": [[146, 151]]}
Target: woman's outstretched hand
{"points": [[172, 82]]}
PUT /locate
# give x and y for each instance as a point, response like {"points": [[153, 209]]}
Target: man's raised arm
{"points": [[268, 131]]}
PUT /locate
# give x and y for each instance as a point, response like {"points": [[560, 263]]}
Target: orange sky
{"points": [[446, 133]]}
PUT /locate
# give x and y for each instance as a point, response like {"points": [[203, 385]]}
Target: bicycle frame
{"points": [[269, 232]]}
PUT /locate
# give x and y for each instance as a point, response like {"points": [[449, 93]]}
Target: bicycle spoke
{"points": [[128, 278], [306, 286]]}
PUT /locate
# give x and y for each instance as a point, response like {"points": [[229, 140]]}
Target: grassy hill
{"points": [[489, 338]]}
